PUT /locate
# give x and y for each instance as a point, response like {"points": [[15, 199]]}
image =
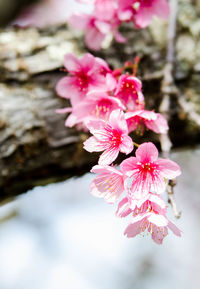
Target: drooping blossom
{"points": [[108, 184], [129, 91], [97, 105], [141, 12], [148, 173], [139, 119], [110, 137], [157, 225], [149, 214], [85, 73]]}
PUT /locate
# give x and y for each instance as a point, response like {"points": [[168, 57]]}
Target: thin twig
{"points": [[171, 199]]}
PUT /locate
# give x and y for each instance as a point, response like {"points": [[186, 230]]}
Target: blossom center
{"points": [[148, 167], [116, 138], [82, 81], [103, 108]]}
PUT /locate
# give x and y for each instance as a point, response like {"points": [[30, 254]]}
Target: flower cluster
{"points": [[110, 105], [109, 14]]}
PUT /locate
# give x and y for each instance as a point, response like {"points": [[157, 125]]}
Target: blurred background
{"points": [[61, 237], [53, 233]]}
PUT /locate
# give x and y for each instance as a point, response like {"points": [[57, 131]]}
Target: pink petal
{"points": [[158, 203], [64, 110], [117, 121], [149, 115], [162, 9], [136, 227], [94, 38], [66, 87], [174, 229], [123, 209], [125, 15], [103, 27], [95, 125], [158, 220], [168, 168], [108, 156], [126, 146], [159, 125], [110, 82], [158, 234], [147, 152], [79, 21], [71, 120], [119, 37], [129, 166], [87, 63], [102, 169], [72, 63], [93, 145]]}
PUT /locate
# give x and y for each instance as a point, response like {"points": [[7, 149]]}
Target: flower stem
{"points": [[136, 144]]}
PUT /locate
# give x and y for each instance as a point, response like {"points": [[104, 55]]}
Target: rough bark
{"points": [[35, 146]]}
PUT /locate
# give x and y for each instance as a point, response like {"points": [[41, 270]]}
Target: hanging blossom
{"points": [[110, 137], [108, 15], [110, 104], [148, 214]]}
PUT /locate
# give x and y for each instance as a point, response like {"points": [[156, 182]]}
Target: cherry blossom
{"points": [[129, 91], [139, 118], [133, 204], [149, 172], [146, 9], [97, 105], [109, 184], [157, 225], [141, 12], [86, 73], [110, 137], [149, 214]]}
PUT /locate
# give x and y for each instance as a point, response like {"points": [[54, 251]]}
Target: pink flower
{"points": [[157, 225], [149, 214], [109, 184], [134, 205], [84, 75], [140, 118], [110, 137], [141, 12], [149, 172], [125, 10], [129, 91], [147, 9], [97, 105], [95, 29]]}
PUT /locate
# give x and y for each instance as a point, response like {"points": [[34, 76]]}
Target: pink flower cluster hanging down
{"points": [[110, 104], [108, 15]]}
